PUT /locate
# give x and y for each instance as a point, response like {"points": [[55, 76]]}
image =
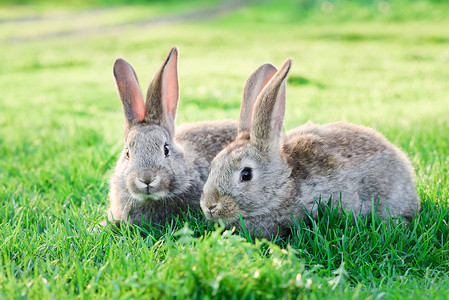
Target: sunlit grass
{"points": [[61, 131]]}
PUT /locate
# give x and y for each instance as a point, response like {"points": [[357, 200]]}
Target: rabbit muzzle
{"points": [[219, 207], [148, 185]]}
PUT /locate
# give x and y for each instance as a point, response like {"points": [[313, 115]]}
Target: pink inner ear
{"points": [[279, 109], [268, 76], [129, 90], [171, 95], [253, 87], [269, 109], [170, 86], [137, 105]]}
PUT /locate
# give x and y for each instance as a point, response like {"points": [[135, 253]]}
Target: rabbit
{"points": [[160, 173], [269, 179]]}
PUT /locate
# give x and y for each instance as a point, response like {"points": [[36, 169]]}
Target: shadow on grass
{"points": [[297, 80]]}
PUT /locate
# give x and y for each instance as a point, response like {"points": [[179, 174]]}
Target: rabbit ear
{"points": [[163, 93], [269, 109], [129, 92], [253, 86]]}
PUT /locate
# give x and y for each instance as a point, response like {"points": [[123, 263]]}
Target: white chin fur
{"points": [[154, 196]]}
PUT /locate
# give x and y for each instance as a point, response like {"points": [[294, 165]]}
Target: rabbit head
{"points": [[151, 166], [249, 177]]}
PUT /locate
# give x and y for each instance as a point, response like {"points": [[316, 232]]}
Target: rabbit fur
{"points": [[353, 166], [160, 172]]}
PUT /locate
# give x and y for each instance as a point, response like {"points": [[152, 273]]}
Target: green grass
{"points": [[61, 133]]}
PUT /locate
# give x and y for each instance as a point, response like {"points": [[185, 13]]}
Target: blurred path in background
{"points": [[225, 7]]}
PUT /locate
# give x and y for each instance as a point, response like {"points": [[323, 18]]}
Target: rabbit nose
{"points": [[212, 207], [146, 178], [150, 181]]}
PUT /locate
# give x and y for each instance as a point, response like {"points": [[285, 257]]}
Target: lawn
{"points": [[379, 64]]}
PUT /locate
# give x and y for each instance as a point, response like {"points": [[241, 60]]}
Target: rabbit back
{"points": [[354, 165], [206, 138]]}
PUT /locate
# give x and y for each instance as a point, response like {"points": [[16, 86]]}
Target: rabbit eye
{"points": [[166, 150], [246, 175], [127, 153]]}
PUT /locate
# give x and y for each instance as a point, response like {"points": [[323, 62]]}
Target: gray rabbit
{"points": [[269, 179], [160, 172]]}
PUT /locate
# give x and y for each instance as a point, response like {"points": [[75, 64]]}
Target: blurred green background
{"points": [[382, 64]]}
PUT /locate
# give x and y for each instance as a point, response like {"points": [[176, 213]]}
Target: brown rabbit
{"points": [[160, 173], [271, 179]]}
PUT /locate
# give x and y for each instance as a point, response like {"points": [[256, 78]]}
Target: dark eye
{"points": [[127, 153], [246, 175], [166, 150]]}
